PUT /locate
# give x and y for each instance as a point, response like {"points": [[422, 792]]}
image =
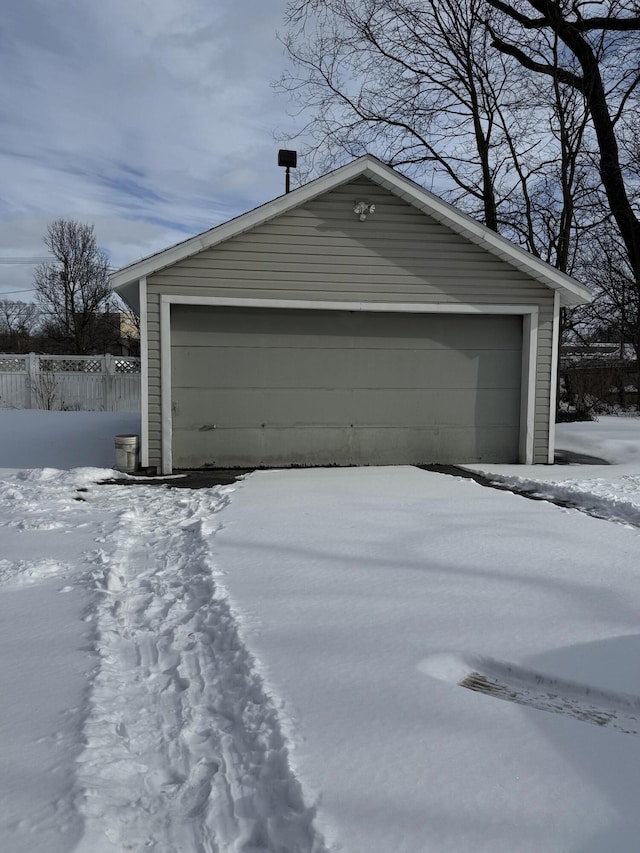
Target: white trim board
{"points": [[144, 375], [553, 391], [336, 305], [528, 386], [166, 401], [529, 348]]}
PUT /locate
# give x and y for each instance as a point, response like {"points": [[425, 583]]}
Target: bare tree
{"points": [[614, 316], [17, 324], [129, 330], [420, 84], [73, 292], [599, 60], [527, 110], [596, 56], [416, 83]]}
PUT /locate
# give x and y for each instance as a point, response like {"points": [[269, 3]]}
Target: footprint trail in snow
{"points": [[184, 751]]}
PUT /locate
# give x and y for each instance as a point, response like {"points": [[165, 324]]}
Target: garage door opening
{"points": [[256, 387]]}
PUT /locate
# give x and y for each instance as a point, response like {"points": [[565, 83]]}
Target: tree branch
{"points": [[552, 71], [523, 20], [607, 24]]}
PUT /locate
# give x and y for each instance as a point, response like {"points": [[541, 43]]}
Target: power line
{"points": [[38, 260], [35, 261]]}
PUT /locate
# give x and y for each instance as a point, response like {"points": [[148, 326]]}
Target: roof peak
{"points": [[387, 177]]}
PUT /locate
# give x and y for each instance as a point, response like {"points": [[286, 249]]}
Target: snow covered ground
{"points": [[611, 490], [32, 438], [277, 665]]}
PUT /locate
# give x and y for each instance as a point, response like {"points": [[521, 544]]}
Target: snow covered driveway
{"points": [[275, 666], [351, 582]]}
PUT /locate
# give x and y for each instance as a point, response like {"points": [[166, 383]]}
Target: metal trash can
{"points": [[127, 448]]}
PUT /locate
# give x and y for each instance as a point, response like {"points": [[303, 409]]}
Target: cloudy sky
{"points": [[151, 119]]}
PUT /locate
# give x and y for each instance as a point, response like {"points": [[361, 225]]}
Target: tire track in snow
{"points": [[184, 751], [513, 683], [571, 494], [598, 498]]}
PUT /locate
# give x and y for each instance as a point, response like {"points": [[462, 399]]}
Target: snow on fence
{"points": [[100, 383]]}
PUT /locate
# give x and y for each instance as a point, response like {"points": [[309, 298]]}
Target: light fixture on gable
{"points": [[288, 159], [362, 209]]}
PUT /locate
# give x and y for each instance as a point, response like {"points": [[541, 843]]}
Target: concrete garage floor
{"points": [[206, 478]]}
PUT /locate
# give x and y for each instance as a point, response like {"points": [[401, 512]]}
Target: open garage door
{"points": [[279, 387]]}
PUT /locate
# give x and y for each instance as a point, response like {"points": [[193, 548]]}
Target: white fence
{"points": [[101, 383]]}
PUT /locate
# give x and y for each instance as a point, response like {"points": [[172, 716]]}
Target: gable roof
{"points": [[571, 291]]}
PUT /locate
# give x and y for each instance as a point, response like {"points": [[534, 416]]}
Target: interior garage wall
{"points": [[321, 251]]}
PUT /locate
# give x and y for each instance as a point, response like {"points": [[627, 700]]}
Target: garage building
{"points": [[357, 320]]}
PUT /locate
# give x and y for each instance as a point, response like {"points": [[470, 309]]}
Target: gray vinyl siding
{"points": [[322, 252]]}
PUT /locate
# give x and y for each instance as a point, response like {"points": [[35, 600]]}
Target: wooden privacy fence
{"points": [[96, 383]]}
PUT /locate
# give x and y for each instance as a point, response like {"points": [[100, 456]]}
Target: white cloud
{"points": [[151, 119]]}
